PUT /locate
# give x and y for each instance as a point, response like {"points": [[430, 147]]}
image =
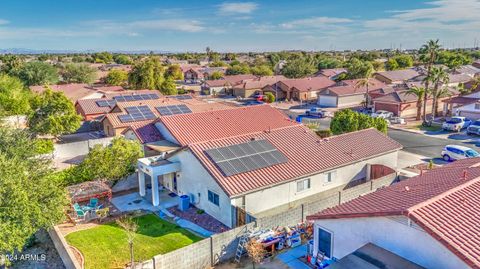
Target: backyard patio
{"points": [[105, 245]]}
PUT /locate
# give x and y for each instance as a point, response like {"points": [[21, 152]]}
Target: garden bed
{"points": [[105, 246], [200, 218]]}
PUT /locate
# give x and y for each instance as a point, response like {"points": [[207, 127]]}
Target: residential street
{"points": [[425, 145]]}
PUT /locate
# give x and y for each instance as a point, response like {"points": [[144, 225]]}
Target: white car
{"points": [[456, 124], [454, 152], [382, 114]]}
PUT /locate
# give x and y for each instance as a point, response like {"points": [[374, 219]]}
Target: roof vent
{"points": [[407, 188], [253, 139], [465, 175]]}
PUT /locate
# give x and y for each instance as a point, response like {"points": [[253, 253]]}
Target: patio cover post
{"points": [[155, 198], [141, 183]]}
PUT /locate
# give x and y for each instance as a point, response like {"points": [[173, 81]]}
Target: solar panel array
{"points": [[183, 97], [245, 157], [136, 97], [137, 113], [105, 103], [173, 110]]}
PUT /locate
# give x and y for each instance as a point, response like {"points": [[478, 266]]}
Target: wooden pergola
{"points": [[91, 189]]}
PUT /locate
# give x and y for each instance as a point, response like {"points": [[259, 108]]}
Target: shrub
{"points": [[324, 133], [44, 146]]}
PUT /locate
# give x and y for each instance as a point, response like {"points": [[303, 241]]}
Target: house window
{"points": [[477, 106], [213, 198], [329, 177], [325, 242], [303, 185]]}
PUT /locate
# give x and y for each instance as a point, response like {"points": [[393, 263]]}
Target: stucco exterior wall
{"points": [[393, 234], [351, 100], [282, 194]]}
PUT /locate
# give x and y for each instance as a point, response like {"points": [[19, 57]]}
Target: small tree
{"points": [[346, 121], [174, 72], [169, 87], [117, 77], [255, 251], [38, 73], [55, 115], [79, 73], [130, 227], [147, 74], [216, 75], [269, 97]]}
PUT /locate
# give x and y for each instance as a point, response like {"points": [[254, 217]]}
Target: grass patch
{"points": [[106, 246]]}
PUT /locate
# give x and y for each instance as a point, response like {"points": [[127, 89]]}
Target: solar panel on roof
{"points": [[105, 103], [183, 97], [245, 157], [173, 110], [136, 97], [137, 113]]}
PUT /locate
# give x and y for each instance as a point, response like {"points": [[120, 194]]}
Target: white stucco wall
{"points": [[285, 193], [409, 242], [194, 179]]}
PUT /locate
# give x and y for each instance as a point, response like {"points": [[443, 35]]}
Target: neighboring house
{"points": [[396, 76], [248, 88], [466, 105], [225, 85], [240, 163], [431, 219], [456, 79], [123, 115], [198, 74], [73, 91], [301, 89], [476, 64], [332, 74], [347, 94], [469, 70]]}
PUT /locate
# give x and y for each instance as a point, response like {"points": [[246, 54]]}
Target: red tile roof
{"points": [[331, 72], [303, 149], [259, 83], [90, 107], [73, 91], [198, 127], [350, 87], [146, 132], [445, 202], [308, 84], [400, 75], [229, 80]]}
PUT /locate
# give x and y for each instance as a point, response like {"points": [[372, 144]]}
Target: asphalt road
{"points": [[426, 145]]}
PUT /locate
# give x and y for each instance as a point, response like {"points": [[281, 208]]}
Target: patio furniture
{"points": [[93, 203], [81, 214]]}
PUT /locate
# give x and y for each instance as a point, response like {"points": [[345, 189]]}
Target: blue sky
{"points": [[236, 25]]}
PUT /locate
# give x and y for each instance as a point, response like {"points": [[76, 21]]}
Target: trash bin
{"points": [[184, 203]]}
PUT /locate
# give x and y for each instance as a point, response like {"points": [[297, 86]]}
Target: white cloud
{"points": [[315, 22], [3, 22], [231, 8], [181, 25]]}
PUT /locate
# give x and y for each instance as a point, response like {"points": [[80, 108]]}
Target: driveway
{"points": [[429, 145]]}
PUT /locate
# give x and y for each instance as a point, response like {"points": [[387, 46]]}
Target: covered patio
{"points": [[160, 174]]}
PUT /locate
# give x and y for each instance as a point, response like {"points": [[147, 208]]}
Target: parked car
{"points": [[382, 114], [318, 113], [367, 111], [454, 152], [456, 124], [474, 128], [253, 103]]}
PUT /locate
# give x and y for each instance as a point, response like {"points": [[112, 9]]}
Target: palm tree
{"points": [[438, 76], [366, 82], [440, 93], [419, 92], [428, 55]]}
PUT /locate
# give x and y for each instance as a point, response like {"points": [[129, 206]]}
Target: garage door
{"points": [[327, 101]]}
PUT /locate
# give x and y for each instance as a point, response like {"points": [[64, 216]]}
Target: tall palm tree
{"points": [[428, 55], [419, 92], [438, 77], [366, 82]]}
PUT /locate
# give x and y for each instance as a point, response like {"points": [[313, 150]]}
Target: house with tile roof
{"points": [[225, 85], [304, 89], [431, 219], [249, 87], [332, 73], [347, 93], [397, 76], [239, 163]]}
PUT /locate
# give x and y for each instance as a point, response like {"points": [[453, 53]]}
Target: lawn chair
{"points": [[80, 213], [93, 203]]}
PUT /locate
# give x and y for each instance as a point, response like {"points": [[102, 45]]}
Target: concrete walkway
{"points": [[291, 257]]}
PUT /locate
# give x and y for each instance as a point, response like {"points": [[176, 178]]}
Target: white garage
{"points": [[327, 101]]}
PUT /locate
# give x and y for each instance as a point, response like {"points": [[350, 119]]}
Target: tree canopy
{"points": [[14, 97], [38, 73], [147, 74], [103, 57], [168, 87], [401, 61], [54, 115], [358, 68], [238, 69], [30, 198], [174, 72], [298, 68], [117, 77], [122, 59], [79, 73], [262, 70], [346, 121]]}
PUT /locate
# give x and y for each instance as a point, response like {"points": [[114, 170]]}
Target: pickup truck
{"points": [[474, 128], [456, 124]]}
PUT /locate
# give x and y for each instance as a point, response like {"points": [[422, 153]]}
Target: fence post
{"points": [[211, 252], [371, 185], [303, 213], [339, 197]]}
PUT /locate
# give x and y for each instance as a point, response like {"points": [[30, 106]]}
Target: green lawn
{"points": [[106, 246]]}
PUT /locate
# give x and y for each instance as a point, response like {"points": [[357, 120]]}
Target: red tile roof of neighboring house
{"points": [[303, 149], [108, 89], [229, 80], [397, 97], [445, 202], [308, 84], [146, 132], [90, 107], [331, 72], [350, 87], [73, 91], [461, 100], [259, 83], [198, 127], [459, 78], [400, 75]]}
